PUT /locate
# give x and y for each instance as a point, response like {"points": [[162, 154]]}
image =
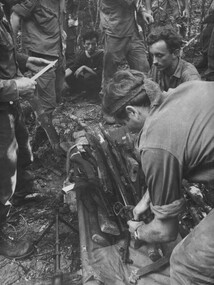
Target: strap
{"points": [[136, 274]]}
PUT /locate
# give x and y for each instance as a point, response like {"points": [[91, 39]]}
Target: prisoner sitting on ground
{"points": [[175, 142], [168, 69], [85, 74]]}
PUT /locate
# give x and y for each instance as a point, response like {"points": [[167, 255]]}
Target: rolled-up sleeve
{"points": [[163, 175], [24, 8], [8, 90]]}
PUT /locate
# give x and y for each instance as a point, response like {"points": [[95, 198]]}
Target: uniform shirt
{"points": [[8, 64], [177, 141], [185, 71], [42, 25], [117, 17], [167, 11], [95, 62]]}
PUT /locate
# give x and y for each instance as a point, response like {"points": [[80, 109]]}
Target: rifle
{"points": [[119, 159], [58, 276], [123, 209], [92, 196]]}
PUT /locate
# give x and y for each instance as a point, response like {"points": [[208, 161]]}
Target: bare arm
{"points": [[156, 231], [163, 175], [79, 71], [15, 20]]}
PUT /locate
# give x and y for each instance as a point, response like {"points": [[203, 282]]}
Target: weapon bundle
{"points": [[108, 181]]}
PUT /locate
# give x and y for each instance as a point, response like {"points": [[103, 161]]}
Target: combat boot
{"points": [[14, 249]]}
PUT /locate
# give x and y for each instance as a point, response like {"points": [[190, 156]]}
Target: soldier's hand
{"points": [[68, 72], [134, 225], [26, 86], [148, 18]]}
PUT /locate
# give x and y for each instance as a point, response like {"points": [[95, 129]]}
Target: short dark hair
{"points": [[90, 35], [172, 39]]}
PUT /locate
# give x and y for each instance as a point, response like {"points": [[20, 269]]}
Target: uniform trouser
{"points": [[50, 84], [90, 84], [119, 50], [15, 151], [207, 45], [211, 52], [192, 260]]}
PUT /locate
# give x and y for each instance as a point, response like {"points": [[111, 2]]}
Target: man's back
{"points": [[183, 126]]}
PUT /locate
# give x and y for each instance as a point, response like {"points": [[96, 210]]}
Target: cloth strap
{"points": [[151, 268]]}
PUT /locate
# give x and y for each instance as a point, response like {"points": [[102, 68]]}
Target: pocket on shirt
{"points": [[46, 19]]}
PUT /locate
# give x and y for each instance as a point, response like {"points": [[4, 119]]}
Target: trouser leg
{"points": [[137, 56], [8, 155], [192, 260], [4, 212], [211, 55], [46, 90], [114, 56], [92, 85], [25, 156], [60, 78]]}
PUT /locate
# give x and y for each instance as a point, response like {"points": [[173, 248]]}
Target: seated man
{"points": [[170, 152], [86, 72], [168, 69]]}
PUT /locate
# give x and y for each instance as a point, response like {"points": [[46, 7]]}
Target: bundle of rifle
{"points": [[108, 180]]}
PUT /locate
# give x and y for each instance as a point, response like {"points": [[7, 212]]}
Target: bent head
{"points": [[164, 45], [90, 42], [129, 96]]}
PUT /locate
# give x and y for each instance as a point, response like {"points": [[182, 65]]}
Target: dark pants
{"points": [[89, 83], [15, 151], [192, 260], [120, 50], [207, 43]]}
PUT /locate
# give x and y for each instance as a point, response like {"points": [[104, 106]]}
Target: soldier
{"points": [[175, 142], [15, 152]]}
